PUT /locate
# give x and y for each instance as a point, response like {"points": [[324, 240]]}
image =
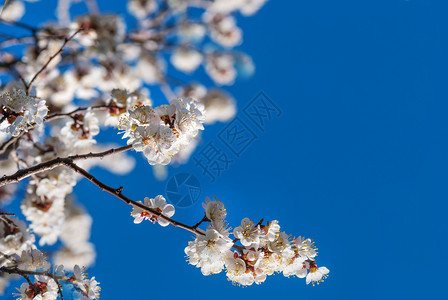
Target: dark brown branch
{"points": [[6, 214], [25, 274], [60, 161], [59, 288], [239, 249], [72, 113], [15, 270], [204, 219], [118, 193]]}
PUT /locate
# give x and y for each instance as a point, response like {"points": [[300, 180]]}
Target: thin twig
{"points": [[66, 40], [59, 288], [204, 219], [27, 279], [70, 114]]}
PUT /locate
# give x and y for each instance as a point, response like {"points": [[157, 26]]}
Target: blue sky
{"points": [[357, 160]]}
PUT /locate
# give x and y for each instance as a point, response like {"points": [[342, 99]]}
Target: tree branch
{"points": [[118, 193], [60, 161], [204, 219], [15, 270]]}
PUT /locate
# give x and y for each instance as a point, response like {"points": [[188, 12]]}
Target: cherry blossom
{"points": [[43, 288], [19, 111], [158, 204], [265, 250]]}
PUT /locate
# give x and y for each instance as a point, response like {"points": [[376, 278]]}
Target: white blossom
{"points": [[225, 6], [218, 106], [248, 233], [84, 254], [214, 210], [33, 260], [250, 7], [44, 206], [13, 10], [221, 68], [273, 230], [191, 32], [158, 204], [209, 251], [141, 8], [236, 271], [19, 111], [44, 288], [316, 274], [186, 60], [15, 237], [305, 247], [223, 30], [162, 132], [82, 130], [90, 287]]}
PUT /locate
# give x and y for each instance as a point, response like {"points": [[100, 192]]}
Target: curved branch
{"points": [[60, 161], [118, 193], [26, 273]]}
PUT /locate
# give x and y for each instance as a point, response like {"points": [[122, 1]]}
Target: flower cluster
{"points": [[161, 132], [159, 205], [218, 105], [48, 285], [85, 288], [19, 255], [82, 129], [44, 204], [75, 235], [43, 288], [32, 260], [105, 53], [14, 238], [265, 250], [18, 111]]}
